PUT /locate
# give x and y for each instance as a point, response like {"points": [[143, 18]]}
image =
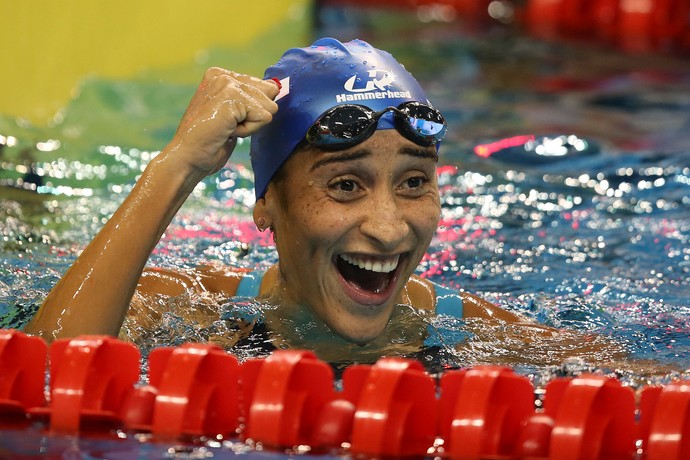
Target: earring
{"points": [[261, 223]]}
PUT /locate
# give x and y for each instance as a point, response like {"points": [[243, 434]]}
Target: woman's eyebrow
{"points": [[420, 152], [352, 155], [339, 157]]}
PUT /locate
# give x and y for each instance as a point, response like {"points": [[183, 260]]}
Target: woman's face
{"points": [[351, 227]]}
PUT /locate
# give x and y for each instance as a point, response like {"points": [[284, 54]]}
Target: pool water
{"points": [[593, 240], [586, 227]]}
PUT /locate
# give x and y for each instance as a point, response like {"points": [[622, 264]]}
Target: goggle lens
{"points": [[426, 121], [347, 125]]}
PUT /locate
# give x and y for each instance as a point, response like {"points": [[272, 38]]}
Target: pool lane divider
{"points": [[390, 409], [632, 25], [636, 26]]}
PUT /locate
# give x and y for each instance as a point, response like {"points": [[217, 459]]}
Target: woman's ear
{"points": [[261, 214], [267, 208]]}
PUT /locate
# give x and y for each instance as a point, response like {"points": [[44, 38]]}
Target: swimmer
{"points": [[344, 150]]}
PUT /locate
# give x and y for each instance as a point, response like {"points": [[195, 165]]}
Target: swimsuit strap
{"points": [[250, 284], [444, 333], [448, 301]]}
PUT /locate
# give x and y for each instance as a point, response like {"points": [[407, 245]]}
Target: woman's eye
{"points": [[414, 182], [345, 185]]}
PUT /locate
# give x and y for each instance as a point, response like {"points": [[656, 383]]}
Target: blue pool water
{"points": [[596, 241]]}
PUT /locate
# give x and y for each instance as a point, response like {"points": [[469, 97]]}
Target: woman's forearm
{"points": [[94, 294]]}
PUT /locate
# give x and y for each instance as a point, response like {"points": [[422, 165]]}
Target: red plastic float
{"points": [[89, 378], [542, 18], [196, 392], [594, 418], [632, 25], [393, 408], [283, 396], [482, 411], [669, 423], [635, 24], [22, 372]]}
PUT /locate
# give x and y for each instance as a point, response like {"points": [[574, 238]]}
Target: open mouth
{"points": [[368, 280]]}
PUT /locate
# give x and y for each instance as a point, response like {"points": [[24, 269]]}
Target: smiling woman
{"points": [[351, 227], [349, 192]]}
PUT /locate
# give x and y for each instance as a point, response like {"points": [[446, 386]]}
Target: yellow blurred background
{"points": [[50, 47]]}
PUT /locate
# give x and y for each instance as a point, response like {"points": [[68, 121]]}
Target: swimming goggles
{"points": [[344, 126]]}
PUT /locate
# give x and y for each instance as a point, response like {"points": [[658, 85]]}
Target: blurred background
{"points": [[564, 177], [79, 76], [50, 49]]}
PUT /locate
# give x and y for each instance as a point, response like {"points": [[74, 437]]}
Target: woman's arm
{"points": [[503, 337], [476, 307], [94, 294]]}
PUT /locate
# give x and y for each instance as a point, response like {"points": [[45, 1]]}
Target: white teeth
{"points": [[373, 265]]}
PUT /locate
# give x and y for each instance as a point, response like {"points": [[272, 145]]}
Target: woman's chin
{"points": [[358, 336]]}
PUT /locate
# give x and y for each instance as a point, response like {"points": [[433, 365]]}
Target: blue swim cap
{"points": [[316, 78]]}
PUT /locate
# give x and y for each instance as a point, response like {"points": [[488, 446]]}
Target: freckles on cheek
{"points": [[434, 204]]}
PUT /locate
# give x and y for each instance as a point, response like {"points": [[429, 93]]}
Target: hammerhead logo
{"points": [[380, 79]]}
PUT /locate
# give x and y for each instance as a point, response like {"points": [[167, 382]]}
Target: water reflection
{"points": [[594, 237]]}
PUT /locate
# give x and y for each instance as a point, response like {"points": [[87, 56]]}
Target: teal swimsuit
{"points": [[448, 301]]}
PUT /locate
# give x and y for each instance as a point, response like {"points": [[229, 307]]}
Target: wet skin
{"points": [[377, 202], [375, 205]]}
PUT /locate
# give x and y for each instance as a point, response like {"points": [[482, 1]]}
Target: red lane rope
{"points": [[631, 25], [391, 408]]}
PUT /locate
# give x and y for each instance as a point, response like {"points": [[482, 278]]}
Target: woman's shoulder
{"points": [[217, 279], [420, 293], [425, 294], [224, 280]]}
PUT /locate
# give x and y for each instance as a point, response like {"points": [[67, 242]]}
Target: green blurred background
{"points": [[90, 74]]}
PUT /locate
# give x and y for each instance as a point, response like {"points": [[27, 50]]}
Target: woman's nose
{"points": [[384, 222]]}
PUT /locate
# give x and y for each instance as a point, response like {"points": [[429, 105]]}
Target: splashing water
{"points": [[597, 244]]}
